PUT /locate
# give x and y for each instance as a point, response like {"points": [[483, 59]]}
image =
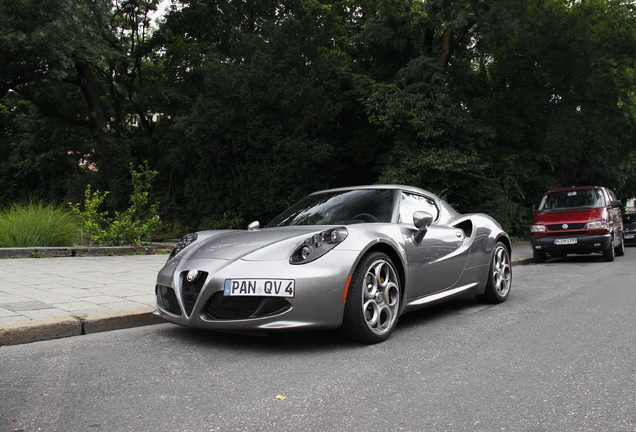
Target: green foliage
{"points": [[557, 90], [94, 222], [229, 220], [36, 224], [170, 230], [129, 227], [433, 141], [245, 106], [37, 156]]}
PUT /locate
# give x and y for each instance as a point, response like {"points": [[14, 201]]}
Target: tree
{"points": [[263, 94], [52, 49], [431, 138], [559, 93], [487, 103]]}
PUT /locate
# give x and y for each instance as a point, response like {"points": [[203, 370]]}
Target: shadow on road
{"points": [[306, 341]]}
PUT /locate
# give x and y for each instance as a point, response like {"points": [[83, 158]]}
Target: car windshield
{"points": [[339, 208], [572, 199]]}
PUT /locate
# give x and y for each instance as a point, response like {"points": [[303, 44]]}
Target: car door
{"points": [[436, 260]]}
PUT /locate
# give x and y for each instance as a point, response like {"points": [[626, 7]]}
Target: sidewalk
{"points": [[49, 298]]}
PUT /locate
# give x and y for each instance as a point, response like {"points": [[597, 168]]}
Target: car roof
{"points": [[381, 186]]}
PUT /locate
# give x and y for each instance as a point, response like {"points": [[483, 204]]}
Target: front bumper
{"points": [[318, 301], [582, 245]]}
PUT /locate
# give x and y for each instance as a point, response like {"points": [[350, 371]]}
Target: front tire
{"points": [[373, 301], [539, 257], [609, 253], [499, 276]]}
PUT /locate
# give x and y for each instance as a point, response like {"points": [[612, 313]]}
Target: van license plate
{"points": [[567, 241]]}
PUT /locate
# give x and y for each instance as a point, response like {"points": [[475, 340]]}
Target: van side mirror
{"points": [[422, 221], [616, 203]]}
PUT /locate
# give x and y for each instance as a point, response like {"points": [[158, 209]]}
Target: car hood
{"points": [[568, 216], [259, 245]]}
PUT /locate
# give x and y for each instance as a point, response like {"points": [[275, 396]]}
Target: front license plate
{"points": [[565, 241], [259, 287]]}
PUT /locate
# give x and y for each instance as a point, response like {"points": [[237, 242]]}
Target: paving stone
{"points": [[25, 306], [4, 313], [143, 299], [11, 319], [37, 314], [12, 298], [124, 305], [75, 307]]}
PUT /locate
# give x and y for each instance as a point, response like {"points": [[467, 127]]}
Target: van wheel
{"points": [[539, 258], [608, 254], [620, 249]]}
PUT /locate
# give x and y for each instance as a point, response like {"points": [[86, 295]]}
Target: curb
{"points": [[22, 332], [78, 251], [522, 261]]}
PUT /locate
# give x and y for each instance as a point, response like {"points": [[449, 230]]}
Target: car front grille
{"points": [[221, 307], [566, 233], [190, 290], [572, 226], [167, 299]]}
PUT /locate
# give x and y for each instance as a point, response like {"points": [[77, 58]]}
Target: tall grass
{"points": [[36, 224]]}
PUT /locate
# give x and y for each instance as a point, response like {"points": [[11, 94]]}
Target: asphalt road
{"points": [[559, 355]]}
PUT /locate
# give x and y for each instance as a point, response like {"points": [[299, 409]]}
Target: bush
{"points": [[229, 220], [130, 227], [36, 224]]}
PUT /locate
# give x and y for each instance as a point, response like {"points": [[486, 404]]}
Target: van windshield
{"points": [[572, 199]]}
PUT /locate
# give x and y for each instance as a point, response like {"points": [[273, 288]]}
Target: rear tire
{"points": [[373, 302], [620, 249]]}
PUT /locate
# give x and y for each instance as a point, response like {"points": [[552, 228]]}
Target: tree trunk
{"points": [[98, 122]]}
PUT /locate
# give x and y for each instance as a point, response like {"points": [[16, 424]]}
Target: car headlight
{"points": [[597, 225], [537, 228], [317, 245], [186, 241]]}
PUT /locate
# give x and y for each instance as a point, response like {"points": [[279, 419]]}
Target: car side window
{"points": [[410, 203]]}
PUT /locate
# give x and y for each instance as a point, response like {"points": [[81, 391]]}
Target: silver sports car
{"points": [[355, 258]]}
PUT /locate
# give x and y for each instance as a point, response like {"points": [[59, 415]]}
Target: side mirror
{"points": [[616, 203], [533, 208], [422, 221], [253, 226]]}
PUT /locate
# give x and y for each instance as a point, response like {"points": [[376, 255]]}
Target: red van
{"points": [[577, 220]]}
